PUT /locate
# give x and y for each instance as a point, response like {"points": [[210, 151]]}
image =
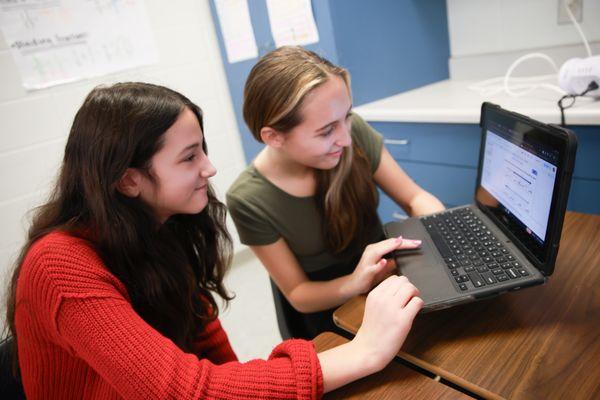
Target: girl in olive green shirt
{"points": [[307, 205]]}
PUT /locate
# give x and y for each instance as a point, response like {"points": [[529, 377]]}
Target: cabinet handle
{"points": [[397, 215], [396, 142]]}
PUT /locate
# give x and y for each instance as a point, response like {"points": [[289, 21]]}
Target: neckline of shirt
{"points": [[277, 188]]}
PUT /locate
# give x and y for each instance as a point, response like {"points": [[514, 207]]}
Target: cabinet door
{"points": [[443, 144], [454, 186], [585, 188], [587, 163], [584, 196], [441, 158]]}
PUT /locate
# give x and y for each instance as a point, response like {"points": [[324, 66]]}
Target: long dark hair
{"points": [[169, 269], [346, 197]]}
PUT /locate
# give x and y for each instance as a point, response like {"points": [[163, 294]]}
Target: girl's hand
{"points": [[389, 313], [372, 268]]}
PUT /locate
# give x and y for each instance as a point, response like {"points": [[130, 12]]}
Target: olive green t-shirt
{"points": [[263, 213]]}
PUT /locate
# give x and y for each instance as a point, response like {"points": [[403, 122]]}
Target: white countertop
{"points": [[452, 101]]}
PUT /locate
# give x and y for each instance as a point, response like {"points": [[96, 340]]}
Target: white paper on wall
{"points": [[292, 22], [59, 41], [236, 27]]}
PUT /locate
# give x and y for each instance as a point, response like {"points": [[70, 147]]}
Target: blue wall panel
{"points": [[391, 46]]}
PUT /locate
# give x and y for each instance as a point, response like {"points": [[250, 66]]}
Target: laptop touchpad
{"points": [[423, 268]]}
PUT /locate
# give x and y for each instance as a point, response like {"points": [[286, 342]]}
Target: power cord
{"points": [[592, 86], [567, 4], [525, 85]]}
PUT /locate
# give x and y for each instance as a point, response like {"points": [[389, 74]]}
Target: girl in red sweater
{"points": [[113, 296]]}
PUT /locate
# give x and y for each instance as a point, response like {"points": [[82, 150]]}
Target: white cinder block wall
{"points": [[34, 125], [487, 36]]}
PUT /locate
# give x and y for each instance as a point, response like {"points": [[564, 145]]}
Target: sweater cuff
{"points": [[305, 362]]}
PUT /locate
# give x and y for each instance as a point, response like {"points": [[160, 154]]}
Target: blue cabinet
{"points": [[443, 158], [585, 188]]}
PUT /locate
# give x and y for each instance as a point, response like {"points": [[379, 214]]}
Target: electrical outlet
{"points": [[576, 7]]}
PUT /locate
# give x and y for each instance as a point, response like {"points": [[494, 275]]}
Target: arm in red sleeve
{"points": [[141, 363]]}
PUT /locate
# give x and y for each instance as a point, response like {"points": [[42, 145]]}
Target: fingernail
{"points": [[417, 242]]}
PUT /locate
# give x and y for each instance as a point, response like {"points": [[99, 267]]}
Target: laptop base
{"points": [[428, 271]]}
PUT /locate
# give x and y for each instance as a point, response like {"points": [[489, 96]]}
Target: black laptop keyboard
{"points": [[473, 255]]}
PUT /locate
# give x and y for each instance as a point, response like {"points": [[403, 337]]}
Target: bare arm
{"points": [[310, 296], [303, 294], [389, 312], [402, 189]]}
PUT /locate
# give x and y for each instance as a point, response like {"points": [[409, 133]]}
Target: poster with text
{"points": [[60, 41]]}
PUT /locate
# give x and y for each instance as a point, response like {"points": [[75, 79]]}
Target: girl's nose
{"points": [[208, 169], [344, 138]]}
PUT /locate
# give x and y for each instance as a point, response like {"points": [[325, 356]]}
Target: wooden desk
{"points": [[396, 381], [538, 343]]}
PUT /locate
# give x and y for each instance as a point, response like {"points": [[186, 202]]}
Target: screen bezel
{"points": [[541, 256]]}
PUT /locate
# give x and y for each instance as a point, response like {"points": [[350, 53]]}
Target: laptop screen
{"points": [[517, 181], [520, 176]]}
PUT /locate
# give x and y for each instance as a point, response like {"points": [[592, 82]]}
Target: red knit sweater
{"points": [[79, 338]]}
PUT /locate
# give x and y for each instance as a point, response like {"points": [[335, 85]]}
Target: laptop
{"points": [[508, 239]]}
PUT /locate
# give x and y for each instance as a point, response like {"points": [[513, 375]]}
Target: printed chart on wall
{"points": [[236, 26], [60, 41], [292, 22]]}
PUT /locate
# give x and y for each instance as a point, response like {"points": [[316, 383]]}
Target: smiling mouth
{"points": [[335, 153], [203, 187]]}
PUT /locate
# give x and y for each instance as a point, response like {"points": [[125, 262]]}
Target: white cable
{"points": [[574, 21], [530, 88], [499, 79], [492, 86], [484, 88], [526, 85]]}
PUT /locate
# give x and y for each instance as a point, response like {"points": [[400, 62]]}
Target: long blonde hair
{"points": [[273, 96]]}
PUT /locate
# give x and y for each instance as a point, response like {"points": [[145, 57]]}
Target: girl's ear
{"points": [[271, 137], [130, 183]]}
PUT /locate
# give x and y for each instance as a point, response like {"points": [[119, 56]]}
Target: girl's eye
{"points": [[191, 157], [328, 132]]}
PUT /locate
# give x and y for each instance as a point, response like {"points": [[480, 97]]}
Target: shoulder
{"points": [[251, 201], [364, 132], [249, 189], [246, 181], [367, 139], [68, 266], [359, 124], [58, 248]]}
